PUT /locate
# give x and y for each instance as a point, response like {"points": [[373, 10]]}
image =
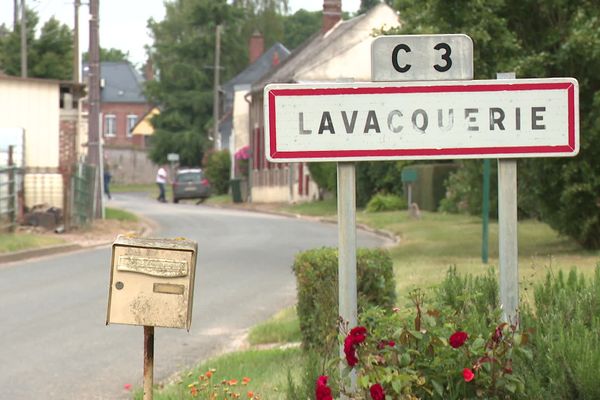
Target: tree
{"points": [[52, 52], [111, 54], [49, 56], [10, 46], [300, 26], [183, 53], [537, 39], [366, 5]]}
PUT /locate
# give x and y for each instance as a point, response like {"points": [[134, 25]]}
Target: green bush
{"points": [[218, 170], [564, 334], [386, 202], [317, 284]]}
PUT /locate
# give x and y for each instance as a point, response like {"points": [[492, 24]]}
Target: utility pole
{"points": [[93, 155], [23, 40], [15, 15], [216, 136], [76, 42]]}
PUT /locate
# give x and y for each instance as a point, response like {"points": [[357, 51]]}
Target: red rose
{"points": [[323, 392], [377, 392], [458, 339], [382, 344], [468, 375], [356, 336]]}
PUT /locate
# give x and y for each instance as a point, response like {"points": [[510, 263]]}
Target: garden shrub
{"points": [[565, 322], [317, 284], [218, 170], [434, 352], [386, 202]]}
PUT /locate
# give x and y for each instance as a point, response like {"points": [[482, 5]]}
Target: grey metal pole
{"points": [[76, 4], [216, 135], [23, 40], [347, 294], [507, 234]]}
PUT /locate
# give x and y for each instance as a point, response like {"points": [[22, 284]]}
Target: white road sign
{"points": [[422, 57], [422, 120]]}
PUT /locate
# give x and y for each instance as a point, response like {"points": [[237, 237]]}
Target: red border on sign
{"points": [[447, 152]]}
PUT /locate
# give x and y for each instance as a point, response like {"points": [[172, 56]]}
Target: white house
{"points": [[340, 51]]}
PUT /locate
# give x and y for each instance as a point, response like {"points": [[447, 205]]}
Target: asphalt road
{"points": [[53, 340]]}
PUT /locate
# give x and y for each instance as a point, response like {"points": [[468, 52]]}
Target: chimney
{"points": [[332, 13], [149, 70], [256, 46]]}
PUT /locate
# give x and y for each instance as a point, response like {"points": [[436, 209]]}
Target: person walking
{"points": [[161, 179], [107, 177]]}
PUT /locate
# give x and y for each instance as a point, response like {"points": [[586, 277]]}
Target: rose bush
{"points": [[433, 354]]}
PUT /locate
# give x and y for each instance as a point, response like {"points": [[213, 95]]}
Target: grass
{"points": [[283, 327], [11, 242], [436, 241], [266, 369], [325, 208], [120, 215]]}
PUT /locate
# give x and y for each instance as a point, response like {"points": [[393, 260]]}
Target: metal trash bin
{"points": [[236, 190]]}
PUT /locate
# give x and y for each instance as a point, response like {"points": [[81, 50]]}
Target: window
{"points": [[110, 125], [131, 121]]}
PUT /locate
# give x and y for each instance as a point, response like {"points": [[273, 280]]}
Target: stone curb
{"points": [[34, 253], [148, 226]]}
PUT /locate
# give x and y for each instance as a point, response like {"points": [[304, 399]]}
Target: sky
{"points": [[123, 22]]}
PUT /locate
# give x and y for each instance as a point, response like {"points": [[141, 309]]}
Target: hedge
{"points": [[317, 284]]}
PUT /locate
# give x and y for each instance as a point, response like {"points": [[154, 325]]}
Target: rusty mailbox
{"points": [[152, 282]]}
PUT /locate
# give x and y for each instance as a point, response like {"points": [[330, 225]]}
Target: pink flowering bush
{"points": [[242, 157], [433, 354]]}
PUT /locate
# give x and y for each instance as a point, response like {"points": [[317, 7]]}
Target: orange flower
{"points": [[246, 380], [250, 395], [194, 391], [232, 382], [208, 374]]}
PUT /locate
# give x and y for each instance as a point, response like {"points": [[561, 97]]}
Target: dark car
{"points": [[190, 184]]}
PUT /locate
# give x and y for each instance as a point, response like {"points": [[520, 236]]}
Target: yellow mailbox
{"points": [[152, 282]]}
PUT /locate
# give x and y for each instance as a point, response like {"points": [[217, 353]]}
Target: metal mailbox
{"points": [[152, 282]]}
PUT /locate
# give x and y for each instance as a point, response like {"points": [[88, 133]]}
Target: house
{"points": [[39, 118], [233, 127], [122, 105], [341, 50]]}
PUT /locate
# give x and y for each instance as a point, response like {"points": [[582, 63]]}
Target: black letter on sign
{"points": [[423, 114], [326, 123], [496, 118], [372, 122], [397, 66], [445, 57], [349, 125], [535, 117]]}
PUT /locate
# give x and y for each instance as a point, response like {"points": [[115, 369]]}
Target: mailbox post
{"points": [[151, 284]]}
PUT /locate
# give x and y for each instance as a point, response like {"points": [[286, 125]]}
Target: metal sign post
{"points": [[508, 256], [347, 283]]}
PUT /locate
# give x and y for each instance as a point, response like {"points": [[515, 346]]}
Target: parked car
{"points": [[190, 183]]}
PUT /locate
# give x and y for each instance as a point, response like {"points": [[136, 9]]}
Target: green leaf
{"points": [[439, 389]]}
